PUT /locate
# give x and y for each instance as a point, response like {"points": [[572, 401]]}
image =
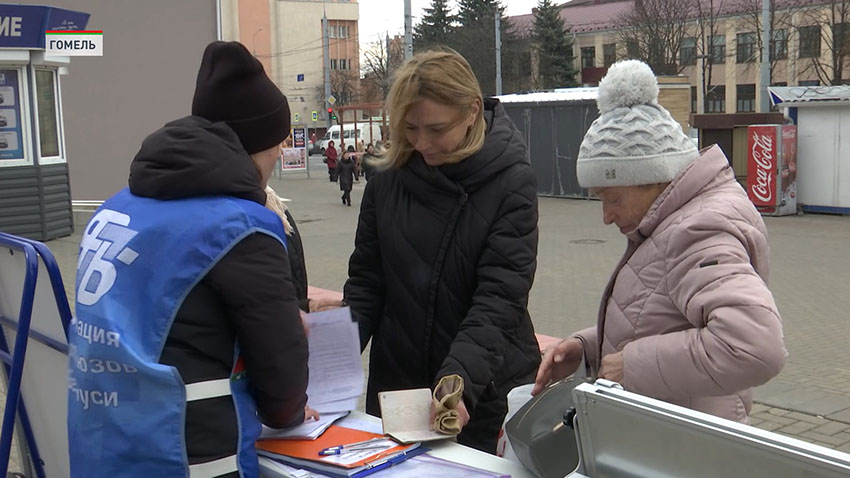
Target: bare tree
{"points": [[345, 86], [781, 12], [827, 25], [380, 61], [709, 52], [653, 31]]}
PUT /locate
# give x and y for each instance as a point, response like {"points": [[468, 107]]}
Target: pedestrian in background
{"points": [[687, 316], [366, 164], [446, 248], [347, 172], [331, 160]]}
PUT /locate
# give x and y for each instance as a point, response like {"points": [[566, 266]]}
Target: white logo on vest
{"points": [[105, 239]]}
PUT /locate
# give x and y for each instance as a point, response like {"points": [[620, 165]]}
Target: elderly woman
{"points": [[687, 316]]}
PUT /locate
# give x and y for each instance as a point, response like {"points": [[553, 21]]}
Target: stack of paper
{"points": [[309, 430], [305, 454], [336, 372]]}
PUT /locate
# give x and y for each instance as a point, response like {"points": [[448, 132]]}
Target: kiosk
{"points": [[35, 193]]}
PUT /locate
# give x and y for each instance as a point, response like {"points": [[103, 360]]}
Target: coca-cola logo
{"points": [[762, 154]]}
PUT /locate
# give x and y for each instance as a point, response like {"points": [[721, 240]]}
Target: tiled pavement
{"points": [[809, 400]]}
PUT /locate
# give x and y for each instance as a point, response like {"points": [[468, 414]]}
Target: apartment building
{"points": [[286, 36], [733, 52]]}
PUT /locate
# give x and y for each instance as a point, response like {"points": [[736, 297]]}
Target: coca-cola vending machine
{"points": [[772, 168]]}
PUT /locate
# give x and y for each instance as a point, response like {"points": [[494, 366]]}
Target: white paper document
{"points": [[407, 415], [336, 372], [309, 430]]}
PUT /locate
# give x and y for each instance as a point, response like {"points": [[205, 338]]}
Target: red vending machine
{"points": [[772, 168]]}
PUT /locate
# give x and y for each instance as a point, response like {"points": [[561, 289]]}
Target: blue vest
{"points": [[139, 259]]}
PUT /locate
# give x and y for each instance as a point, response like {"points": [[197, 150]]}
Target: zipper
{"points": [[438, 269]]}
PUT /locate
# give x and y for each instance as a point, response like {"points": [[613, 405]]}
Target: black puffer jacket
{"points": [[444, 260], [247, 296]]}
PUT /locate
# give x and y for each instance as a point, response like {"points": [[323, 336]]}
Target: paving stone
{"points": [[770, 426], [807, 418], [796, 428], [831, 428], [831, 440]]}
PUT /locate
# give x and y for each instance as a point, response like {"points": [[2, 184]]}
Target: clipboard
{"points": [[305, 453]]}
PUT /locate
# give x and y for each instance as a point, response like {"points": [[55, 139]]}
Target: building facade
{"points": [[287, 37], [800, 45]]}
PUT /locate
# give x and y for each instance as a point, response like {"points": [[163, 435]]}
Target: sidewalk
{"points": [[809, 400]]}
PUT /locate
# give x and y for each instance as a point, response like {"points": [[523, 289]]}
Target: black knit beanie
{"points": [[233, 87]]}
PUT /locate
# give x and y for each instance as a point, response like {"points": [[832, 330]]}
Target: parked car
{"points": [[3, 122], [3, 143]]}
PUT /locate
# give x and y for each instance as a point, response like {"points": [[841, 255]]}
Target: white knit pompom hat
{"points": [[634, 141]]}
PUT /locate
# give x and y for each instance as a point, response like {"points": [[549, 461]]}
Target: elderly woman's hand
{"points": [[559, 361], [612, 367]]}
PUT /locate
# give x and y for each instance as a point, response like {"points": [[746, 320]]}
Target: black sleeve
{"points": [[298, 263], [255, 283], [364, 289]]}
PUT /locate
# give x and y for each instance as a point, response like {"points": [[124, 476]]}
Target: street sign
{"points": [[299, 77], [331, 99], [297, 118], [315, 116]]}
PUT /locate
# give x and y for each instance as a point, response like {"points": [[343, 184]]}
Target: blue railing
{"points": [[14, 361]]}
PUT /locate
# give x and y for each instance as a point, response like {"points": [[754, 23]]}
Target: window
{"points": [[745, 47], [779, 45], [841, 38], [717, 49], [746, 98], [810, 83], [810, 41], [688, 51], [332, 31], [343, 64], [632, 49], [609, 54], [343, 32], [333, 63], [693, 99], [588, 55], [48, 124], [715, 99]]}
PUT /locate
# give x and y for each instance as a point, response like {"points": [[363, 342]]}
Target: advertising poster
{"points": [[294, 156], [11, 144]]}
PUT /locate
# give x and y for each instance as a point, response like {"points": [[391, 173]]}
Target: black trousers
{"points": [[346, 196]]}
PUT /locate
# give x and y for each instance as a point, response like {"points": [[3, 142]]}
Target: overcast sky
{"points": [[377, 17]]}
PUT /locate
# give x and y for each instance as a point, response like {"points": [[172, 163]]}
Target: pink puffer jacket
{"points": [[688, 303]]}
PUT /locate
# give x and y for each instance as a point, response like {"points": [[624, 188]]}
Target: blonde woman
{"points": [[446, 247]]}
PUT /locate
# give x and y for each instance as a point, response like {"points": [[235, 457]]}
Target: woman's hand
{"points": [[310, 414], [462, 413], [612, 367], [319, 305], [558, 361]]}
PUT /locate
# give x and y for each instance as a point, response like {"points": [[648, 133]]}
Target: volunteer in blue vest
{"points": [[188, 335]]}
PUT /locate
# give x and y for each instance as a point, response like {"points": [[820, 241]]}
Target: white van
{"points": [[364, 134]]}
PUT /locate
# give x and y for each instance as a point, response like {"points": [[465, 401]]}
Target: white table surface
{"points": [[447, 450]]}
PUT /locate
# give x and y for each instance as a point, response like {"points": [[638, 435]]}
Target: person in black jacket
{"points": [[446, 247], [347, 173], [229, 147]]}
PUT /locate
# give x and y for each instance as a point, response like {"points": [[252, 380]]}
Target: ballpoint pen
{"points": [[352, 447]]}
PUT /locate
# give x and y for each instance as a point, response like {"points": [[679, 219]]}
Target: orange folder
{"points": [[335, 435]]}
